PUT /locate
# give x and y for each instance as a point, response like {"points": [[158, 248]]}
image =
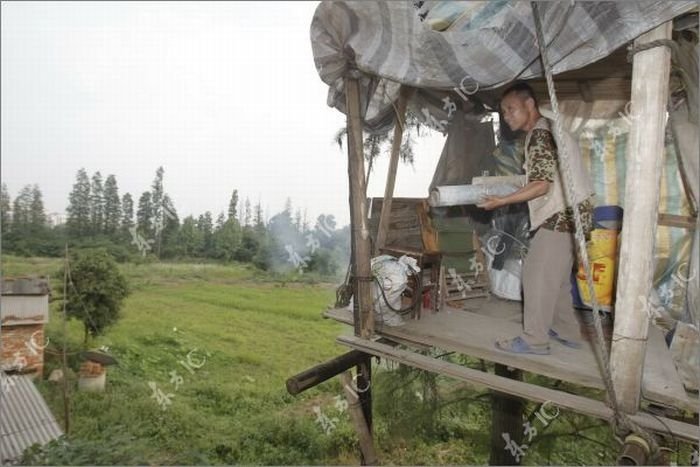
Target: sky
{"points": [[222, 95]]}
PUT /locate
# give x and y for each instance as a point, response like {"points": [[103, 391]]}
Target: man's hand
{"points": [[530, 191], [491, 202]]}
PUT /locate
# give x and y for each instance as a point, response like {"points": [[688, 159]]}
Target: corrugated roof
{"points": [[25, 418], [24, 286]]}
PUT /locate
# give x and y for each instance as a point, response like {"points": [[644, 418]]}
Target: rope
{"points": [[633, 49], [414, 302], [364, 278], [620, 418]]}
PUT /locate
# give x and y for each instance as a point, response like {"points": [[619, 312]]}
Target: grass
{"points": [[251, 331]]}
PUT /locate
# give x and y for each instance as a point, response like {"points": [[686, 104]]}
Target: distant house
{"points": [[24, 311]]}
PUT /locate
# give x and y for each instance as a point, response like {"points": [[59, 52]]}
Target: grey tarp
{"points": [[491, 44], [465, 147]]}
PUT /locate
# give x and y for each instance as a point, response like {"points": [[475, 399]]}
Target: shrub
{"points": [[96, 292]]}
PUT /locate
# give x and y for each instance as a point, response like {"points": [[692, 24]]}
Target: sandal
{"points": [[519, 345], [569, 343]]}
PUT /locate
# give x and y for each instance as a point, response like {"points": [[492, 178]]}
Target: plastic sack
{"points": [[507, 283], [392, 274]]}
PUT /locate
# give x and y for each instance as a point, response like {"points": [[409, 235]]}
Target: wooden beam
{"points": [[358, 214], [323, 372], [672, 220], [650, 78], [579, 404], [596, 89], [369, 455], [393, 165]]}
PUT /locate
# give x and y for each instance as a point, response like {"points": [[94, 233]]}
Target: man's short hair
{"points": [[522, 89]]}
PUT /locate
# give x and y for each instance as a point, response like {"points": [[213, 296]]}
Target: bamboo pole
{"points": [[385, 215], [358, 210], [64, 360], [358, 419], [650, 78]]}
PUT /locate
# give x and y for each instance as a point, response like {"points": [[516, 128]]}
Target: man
{"points": [[548, 310]]}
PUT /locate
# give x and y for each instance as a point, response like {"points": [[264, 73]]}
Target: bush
{"points": [[97, 290]]}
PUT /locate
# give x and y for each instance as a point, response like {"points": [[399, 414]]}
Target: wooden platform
{"points": [[473, 333], [540, 394]]}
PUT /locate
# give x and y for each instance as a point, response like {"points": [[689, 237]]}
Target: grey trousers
{"points": [[547, 287]]}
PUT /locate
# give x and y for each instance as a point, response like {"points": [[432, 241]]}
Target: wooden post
{"points": [[366, 443], [385, 215], [364, 383], [650, 78], [358, 214], [506, 417]]}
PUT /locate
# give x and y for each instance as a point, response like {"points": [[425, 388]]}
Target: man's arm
{"points": [[542, 164], [532, 190]]}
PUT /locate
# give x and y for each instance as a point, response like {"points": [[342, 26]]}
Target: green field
{"points": [[249, 331]]}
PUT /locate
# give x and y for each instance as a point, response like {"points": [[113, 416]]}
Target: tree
{"points": [[262, 259], [322, 262], [248, 214], [5, 211], [374, 143], [284, 239], [157, 201], [113, 208], [97, 206], [248, 246], [168, 235], [144, 215], [233, 205], [305, 222], [127, 212], [97, 290], [259, 220], [78, 222], [205, 227], [189, 238], [241, 213], [21, 210], [324, 228], [297, 221], [227, 240], [36, 216], [220, 220]]}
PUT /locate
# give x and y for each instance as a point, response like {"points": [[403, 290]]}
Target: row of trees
{"points": [[97, 215]]}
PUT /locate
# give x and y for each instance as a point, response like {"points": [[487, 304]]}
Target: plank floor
{"points": [[472, 332]]}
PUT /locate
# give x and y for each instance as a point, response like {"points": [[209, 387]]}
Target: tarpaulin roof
{"points": [[480, 45]]}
